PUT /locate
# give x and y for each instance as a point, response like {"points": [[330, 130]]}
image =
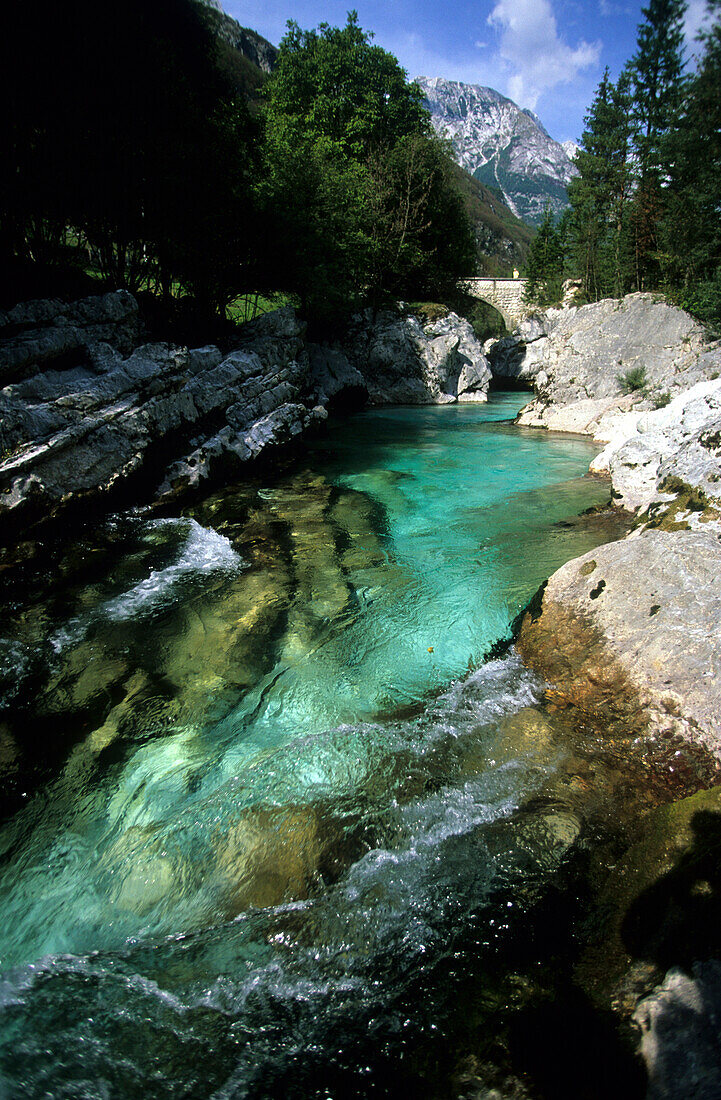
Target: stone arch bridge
{"points": [[505, 295]]}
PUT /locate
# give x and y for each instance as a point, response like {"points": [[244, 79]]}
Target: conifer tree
{"points": [[693, 226], [658, 85], [599, 195], [544, 269], [657, 77]]}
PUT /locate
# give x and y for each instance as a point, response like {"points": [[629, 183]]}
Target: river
{"points": [[264, 763]]}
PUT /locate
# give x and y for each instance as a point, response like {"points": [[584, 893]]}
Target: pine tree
{"points": [[658, 86], [599, 195], [544, 268], [692, 230], [657, 76]]}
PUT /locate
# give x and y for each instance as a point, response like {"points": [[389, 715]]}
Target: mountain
{"points": [[501, 145], [502, 239], [244, 55]]}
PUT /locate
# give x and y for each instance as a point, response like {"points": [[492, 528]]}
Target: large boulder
{"points": [[679, 444], [591, 365], [406, 363], [630, 631]]}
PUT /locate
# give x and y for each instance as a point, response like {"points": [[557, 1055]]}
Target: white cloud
{"points": [[535, 58], [695, 18]]}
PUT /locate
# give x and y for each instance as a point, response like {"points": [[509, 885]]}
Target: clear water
{"points": [[263, 847]]}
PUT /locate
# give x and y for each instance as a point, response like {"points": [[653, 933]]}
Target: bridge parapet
{"points": [[505, 295]]}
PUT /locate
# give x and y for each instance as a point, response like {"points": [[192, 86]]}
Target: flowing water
{"points": [[264, 771]]}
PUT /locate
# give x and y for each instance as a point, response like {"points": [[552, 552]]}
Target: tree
{"points": [[127, 138], [335, 84], [544, 270], [420, 234], [365, 206], [658, 87], [692, 228], [657, 75], [599, 195]]}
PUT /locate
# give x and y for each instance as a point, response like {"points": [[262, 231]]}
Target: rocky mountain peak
{"points": [[501, 144]]}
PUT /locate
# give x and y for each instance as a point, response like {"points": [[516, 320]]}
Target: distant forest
{"points": [[645, 210], [132, 154]]}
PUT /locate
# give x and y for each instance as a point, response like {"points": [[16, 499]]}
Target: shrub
{"points": [[633, 381], [660, 399]]}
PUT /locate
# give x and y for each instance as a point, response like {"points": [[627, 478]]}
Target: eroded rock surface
{"points": [[83, 409], [407, 363], [677, 444], [577, 358], [633, 627], [80, 414]]}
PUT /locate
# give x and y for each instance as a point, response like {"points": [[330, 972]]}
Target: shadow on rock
{"points": [[676, 924], [572, 1051], [677, 920]]}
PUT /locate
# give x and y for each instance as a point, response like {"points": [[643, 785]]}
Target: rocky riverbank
{"points": [[628, 636], [87, 408], [651, 602]]}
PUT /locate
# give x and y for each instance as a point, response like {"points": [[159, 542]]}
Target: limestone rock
{"points": [[332, 375], [38, 332], [679, 1024], [404, 362], [83, 411], [634, 626], [575, 358], [681, 441]]}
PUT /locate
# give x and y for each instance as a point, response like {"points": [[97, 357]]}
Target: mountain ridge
{"points": [[501, 144]]}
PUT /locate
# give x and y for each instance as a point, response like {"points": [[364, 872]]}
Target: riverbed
{"points": [[265, 762]]}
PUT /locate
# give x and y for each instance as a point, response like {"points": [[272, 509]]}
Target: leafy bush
{"points": [[428, 312], [704, 302], [633, 381], [660, 399]]}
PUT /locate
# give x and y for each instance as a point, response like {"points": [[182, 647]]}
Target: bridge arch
{"points": [[505, 295]]}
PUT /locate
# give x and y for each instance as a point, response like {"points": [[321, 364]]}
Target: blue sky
{"points": [[548, 55]]}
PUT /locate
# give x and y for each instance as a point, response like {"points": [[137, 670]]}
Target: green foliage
{"points": [[692, 232], [135, 141], [487, 322], [703, 300], [129, 136], [334, 84], [599, 195], [657, 76], [633, 381], [660, 399], [544, 270], [645, 207], [362, 193]]}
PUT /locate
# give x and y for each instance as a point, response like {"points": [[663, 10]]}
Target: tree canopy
{"points": [[367, 204], [646, 205], [133, 151]]}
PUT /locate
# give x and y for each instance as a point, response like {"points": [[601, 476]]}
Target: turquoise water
{"points": [[277, 747]]}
